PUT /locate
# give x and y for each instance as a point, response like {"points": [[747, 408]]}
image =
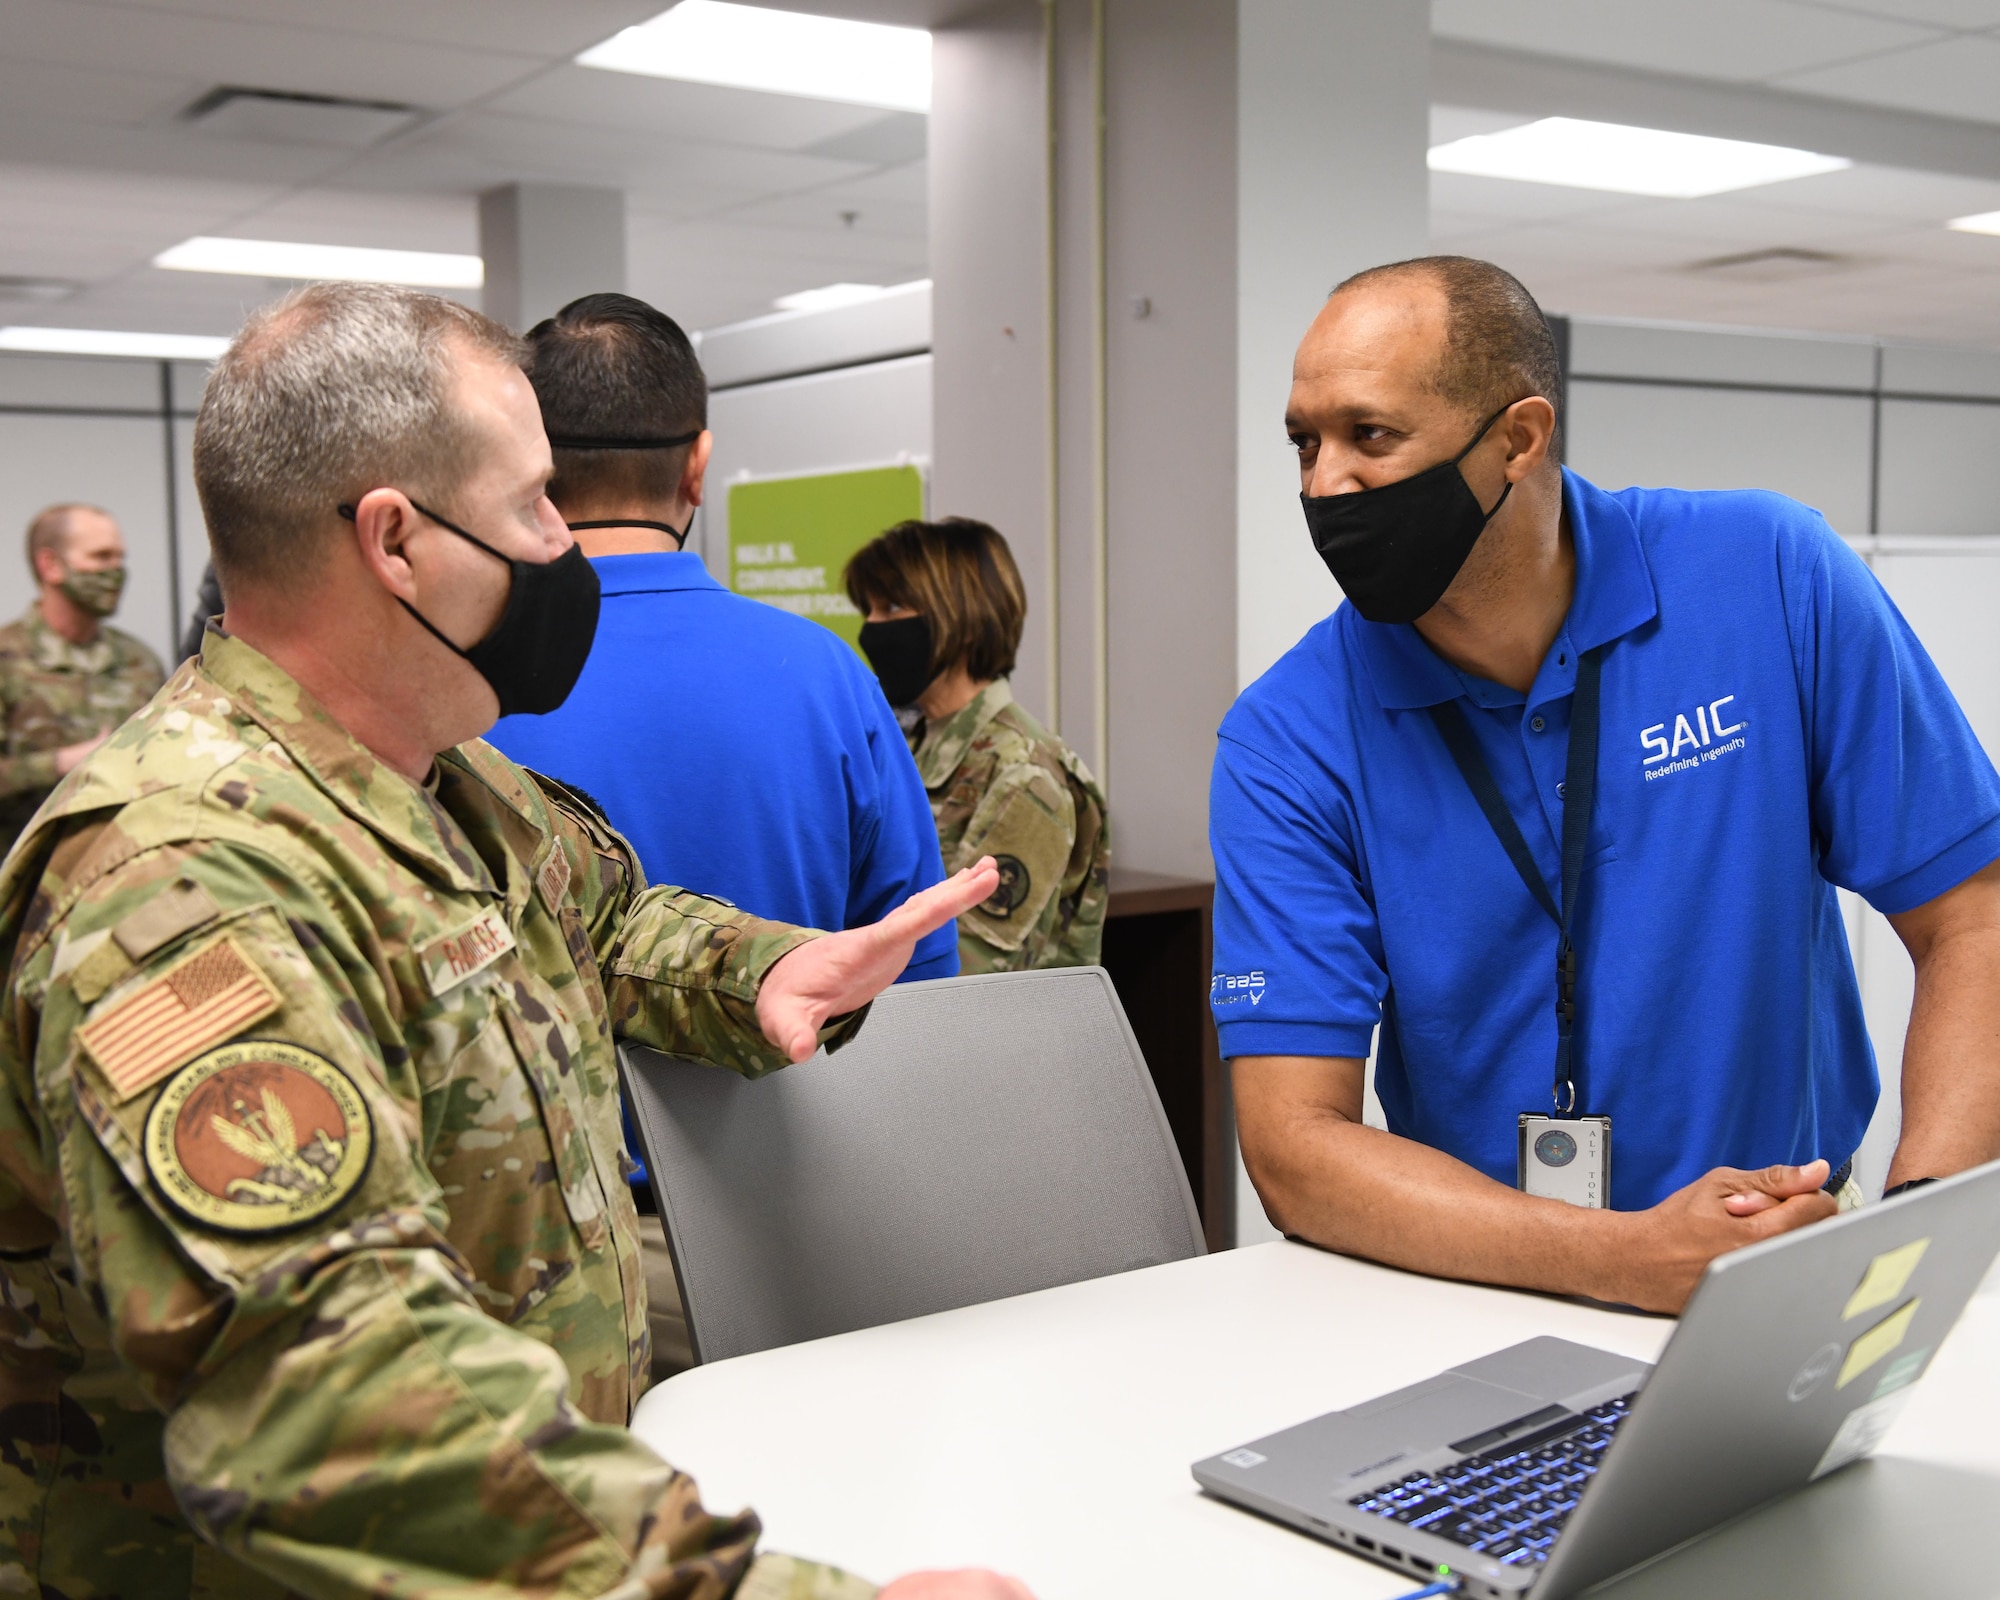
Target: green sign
{"points": [[790, 538]]}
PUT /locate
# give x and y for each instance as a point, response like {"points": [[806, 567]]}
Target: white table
{"points": [[1050, 1436]]}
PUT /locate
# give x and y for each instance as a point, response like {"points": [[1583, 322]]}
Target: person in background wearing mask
{"points": [[745, 752], [318, 1273], [1559, 800], [945, 609], [67, 678]]}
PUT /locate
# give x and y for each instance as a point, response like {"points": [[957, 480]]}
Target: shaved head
{"points": [[53, 525], [1496, 347]]}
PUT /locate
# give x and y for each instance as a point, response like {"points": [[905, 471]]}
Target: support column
{"points": [[992, 300], [544, 244], [1333, 118], [1137, 206]]}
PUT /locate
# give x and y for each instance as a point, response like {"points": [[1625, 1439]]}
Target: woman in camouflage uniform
{"points": [[945, 606]]}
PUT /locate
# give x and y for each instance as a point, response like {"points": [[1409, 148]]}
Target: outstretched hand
{"points": [[842, 972]]}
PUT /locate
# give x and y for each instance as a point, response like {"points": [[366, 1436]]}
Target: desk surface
{"points": [[1050, 1436]]}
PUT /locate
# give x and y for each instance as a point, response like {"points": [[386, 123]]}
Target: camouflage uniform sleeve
{"points": [[1026, 821], [340, 1412], [685, 976], [29, 770], [778, 1577], [22, 770], [605, 875]]}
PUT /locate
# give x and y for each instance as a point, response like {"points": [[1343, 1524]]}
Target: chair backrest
{"points": [[981, 1137]]}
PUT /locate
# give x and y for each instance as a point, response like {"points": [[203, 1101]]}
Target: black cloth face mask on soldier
{"points": [[537, 649], [900, 653], [1394, 550]]}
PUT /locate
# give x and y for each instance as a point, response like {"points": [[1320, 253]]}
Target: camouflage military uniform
{"points": [[314, 1234], [57, 693], [1002, 785]]}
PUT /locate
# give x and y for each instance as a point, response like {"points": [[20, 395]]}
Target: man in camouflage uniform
{"points": [[317, 1269], [67, 678], [1001, 785]]}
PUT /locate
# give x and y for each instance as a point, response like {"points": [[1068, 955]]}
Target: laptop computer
{"points": [[1549, 1466]]}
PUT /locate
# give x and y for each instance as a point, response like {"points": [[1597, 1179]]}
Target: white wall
{"points": [[860, 416]]}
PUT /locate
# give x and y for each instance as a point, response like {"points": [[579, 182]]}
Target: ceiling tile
{"points": [[666, 108], [828, 210], [394, 221], [1504, 197], [1462, 122], [1730, 39], [1743, 225], [1938, 13], [89, 94], [523, 27], [172, 151], [1889, 192], [1958, 77], [316, 60], [474, 152], [909, 184]]}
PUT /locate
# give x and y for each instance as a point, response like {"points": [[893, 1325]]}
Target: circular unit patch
{"points": [[1555, 1148], [1013, 890], [258, 1137]]}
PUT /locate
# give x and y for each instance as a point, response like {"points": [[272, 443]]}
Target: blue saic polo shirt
{"points": [[745, 753], [1770, 729]]}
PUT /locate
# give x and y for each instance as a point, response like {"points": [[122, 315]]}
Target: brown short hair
{"points": [[50, 528], [1499, 347], [958, 573], [334, 390]]}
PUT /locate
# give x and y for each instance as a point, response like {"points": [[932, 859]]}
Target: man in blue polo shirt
{"points": [[743, 751], [1389, 822]]}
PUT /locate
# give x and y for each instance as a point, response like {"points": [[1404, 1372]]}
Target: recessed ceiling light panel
{"points": [[1622, 160], [780, 52], [1984, 222], [113, 342], [277, 258], [832, 294]]}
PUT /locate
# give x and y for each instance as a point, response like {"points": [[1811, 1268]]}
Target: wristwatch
{"points": [[1906, 1187]]}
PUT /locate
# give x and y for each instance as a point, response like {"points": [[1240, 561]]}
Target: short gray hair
{"points": [[50, 529], [334, 390]]}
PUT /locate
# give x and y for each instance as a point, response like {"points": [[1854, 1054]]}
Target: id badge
{"points": [[1566, 1158]]}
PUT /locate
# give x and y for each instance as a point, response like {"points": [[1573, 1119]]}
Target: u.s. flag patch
{"points": [[198, 1002]]}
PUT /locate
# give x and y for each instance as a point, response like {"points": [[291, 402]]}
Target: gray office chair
{"points": [[982, 1137]]}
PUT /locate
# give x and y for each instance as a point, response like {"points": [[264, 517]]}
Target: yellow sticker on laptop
{"points": [[1876, 1343], [1883, 1283]]}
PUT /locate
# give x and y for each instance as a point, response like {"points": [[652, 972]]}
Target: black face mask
{"points": [[900, 653], [537, 649], [1394, 550]]}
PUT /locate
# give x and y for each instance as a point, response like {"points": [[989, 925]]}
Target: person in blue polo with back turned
{"points": [[1560, 799], [744, 752]]}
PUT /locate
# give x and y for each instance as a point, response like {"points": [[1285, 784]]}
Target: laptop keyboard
{"points": [[1509, 1502]]}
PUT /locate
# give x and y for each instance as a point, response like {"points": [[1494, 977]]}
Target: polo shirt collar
{"points": [[652, 572], [1614, 595]]}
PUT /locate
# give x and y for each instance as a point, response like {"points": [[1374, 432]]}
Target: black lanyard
{"points": [[1579, 791]]}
